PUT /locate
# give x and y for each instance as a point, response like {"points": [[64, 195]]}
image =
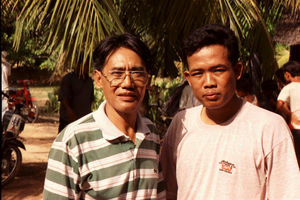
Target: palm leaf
{"points": [[169, 22], [74, 26]]}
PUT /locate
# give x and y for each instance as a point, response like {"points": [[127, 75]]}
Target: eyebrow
{"points": [[196, 70], [134, 68], [211, 68]]}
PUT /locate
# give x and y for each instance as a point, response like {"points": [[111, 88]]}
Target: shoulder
{"points": [[256, 113], [69, 75], [291, 86], [78, 130], [266, 125], [188, 115], [183, 121], [67, 78], [5, 65]]}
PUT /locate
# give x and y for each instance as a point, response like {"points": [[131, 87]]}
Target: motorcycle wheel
{"points": [[33, 113], [11, 164]]}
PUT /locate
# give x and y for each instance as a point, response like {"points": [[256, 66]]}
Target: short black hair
{"points": [[280, 75], [293, 67], [209, 35], [127, 40]]}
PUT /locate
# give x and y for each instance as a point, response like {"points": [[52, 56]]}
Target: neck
{"points": [[123, 121], [295, 79], [221, 115]]}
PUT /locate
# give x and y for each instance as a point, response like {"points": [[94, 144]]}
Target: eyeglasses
{"points": [[116, 77]]}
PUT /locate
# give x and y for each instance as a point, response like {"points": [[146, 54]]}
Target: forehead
{"points": [[123, 58], [209, 56]]}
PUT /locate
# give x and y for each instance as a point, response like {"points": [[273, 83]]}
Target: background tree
{"points": [[71, 26], [76, 26]]}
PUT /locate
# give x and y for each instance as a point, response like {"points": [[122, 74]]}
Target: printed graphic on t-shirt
{"points": [[226, 166]]}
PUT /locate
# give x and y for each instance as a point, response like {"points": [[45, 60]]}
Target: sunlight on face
{"points": [[212, 76]]}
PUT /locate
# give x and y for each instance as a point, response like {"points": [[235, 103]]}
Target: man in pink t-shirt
{"points": [[225, 148]]}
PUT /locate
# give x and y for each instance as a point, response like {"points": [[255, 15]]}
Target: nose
{"points": [[127, 82], [209, 80]]}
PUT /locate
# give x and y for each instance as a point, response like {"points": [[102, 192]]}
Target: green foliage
{"points": [[161, 89], [99, 98], [282, 54], [31, 52], [73, 26], [52, 104]]}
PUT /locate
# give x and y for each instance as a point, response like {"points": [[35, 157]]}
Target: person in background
{"points": [[6, 73], [279, 74], [76, 95], [288, 101], [269, 95], [181, 99], [226, 148], [243, 90], [113, 152], [187, 98]]}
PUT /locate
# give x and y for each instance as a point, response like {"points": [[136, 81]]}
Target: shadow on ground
{"points": [[31, 175], [47, 117]]}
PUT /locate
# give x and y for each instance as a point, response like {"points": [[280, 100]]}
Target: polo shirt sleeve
{"points": [[62, 175]]}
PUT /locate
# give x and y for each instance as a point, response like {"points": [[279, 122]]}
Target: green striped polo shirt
{"points": [[92, 159]]}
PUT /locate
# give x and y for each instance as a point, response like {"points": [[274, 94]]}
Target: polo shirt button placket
{"points": [[133, 171], [134, 163]]}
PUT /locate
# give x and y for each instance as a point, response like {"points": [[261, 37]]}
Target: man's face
{"points": [[212, 76], [126, 97]]}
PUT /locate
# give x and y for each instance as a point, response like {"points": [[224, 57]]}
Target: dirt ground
{"points": [[38, 137]]}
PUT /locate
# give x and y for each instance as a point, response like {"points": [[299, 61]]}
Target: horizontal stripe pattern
{"points": [[58, 189], [115, 181], [84, 165]]}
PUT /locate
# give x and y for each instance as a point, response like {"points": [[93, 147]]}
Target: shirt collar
{"points": [[110, 132]]}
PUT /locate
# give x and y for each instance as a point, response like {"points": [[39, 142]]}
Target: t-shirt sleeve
{"points": [[284, 95], [283, 175], [168, 157]]}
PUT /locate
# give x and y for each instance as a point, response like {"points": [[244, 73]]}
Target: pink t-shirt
{"points": [[250, 156]]}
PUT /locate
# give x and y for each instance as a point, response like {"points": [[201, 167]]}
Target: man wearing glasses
{"points": [[111, 153]]}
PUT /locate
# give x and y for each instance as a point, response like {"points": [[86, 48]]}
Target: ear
{"points": [[238, 70], [287, 76], [97, 79], [187, 76]]}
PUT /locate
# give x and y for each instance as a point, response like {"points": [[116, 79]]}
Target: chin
{"points": [[213, 105], [128, 107]]}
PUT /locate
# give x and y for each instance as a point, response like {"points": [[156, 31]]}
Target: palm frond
{"points": [[167, 23], [75, 26]]}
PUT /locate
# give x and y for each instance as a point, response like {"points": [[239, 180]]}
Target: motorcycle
{"points": [[13, 124], [24, 96]]}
